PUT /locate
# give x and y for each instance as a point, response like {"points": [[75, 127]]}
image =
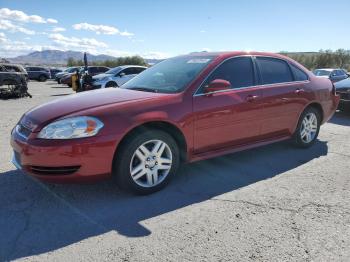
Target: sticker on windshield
{"points": [[198, 61]]}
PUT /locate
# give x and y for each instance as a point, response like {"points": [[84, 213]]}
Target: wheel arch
{"points": [[313, 104], [318, 107], [166, 126]]}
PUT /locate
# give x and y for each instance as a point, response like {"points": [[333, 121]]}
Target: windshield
{"points": [[113, 71], [169, 76], [71, 69], [322, 72]]}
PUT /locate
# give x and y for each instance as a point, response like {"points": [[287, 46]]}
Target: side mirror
{"points": [[217, 85]]}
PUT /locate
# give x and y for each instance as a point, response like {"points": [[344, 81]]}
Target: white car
{"points": [[116, 76]]}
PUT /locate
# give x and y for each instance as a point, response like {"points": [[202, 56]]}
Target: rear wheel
{"points": [[111, 84], [146, 162], [308, 128], [42, 78]]}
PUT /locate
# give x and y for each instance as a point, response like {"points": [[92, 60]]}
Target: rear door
{"points": [[283, 91], [231, 117]]}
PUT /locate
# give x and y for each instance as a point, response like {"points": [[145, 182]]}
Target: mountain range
{"points": [[57, 57]]}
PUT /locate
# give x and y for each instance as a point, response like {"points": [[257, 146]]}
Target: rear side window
{"points": [[138, 70], [238, 71], [274, 70], [129, 71], [299, 75]]}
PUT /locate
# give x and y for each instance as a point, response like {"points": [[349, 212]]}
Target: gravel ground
{"points": [[273, 203]]}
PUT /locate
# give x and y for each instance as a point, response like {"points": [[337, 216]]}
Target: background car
{"points": [[343, 90], [54, 71], [333, 74], [116, 76], [13, 81], [92, 70], [65, 72], [38, 73]]}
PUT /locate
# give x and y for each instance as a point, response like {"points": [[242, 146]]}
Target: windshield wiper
{"points": [[146, 89]]}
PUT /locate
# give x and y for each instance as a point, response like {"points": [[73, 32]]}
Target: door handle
{"points": [[251, 98], [299, 91]]}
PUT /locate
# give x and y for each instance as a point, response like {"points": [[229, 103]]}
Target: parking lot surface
{"points": [[274, 203]]}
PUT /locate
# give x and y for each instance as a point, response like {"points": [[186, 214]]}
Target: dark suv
{"points": [[38, 73]]}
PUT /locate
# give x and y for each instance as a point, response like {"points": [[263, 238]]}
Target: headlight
{"points": [[69, 128]]}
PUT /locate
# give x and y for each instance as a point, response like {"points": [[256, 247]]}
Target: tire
{"points": [[111, 84], [42, 78], [152, 173], [308, 128]]}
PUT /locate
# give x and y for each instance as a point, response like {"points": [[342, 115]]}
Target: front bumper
{"points": [[66, 161]]}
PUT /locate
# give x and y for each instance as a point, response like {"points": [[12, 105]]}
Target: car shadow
{"points": [[341, 118], [59, 87], [36, 218]]}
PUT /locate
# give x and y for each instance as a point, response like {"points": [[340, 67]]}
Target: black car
{"points": [[38, 73], [54, 71], [13, 81], [334, 75], [343, 90], [66, 71]]}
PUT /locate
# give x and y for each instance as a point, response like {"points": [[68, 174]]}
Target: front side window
{"points": [[274, 70], [169, 76], [238, 71]]}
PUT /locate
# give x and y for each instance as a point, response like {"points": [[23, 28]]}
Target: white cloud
{"points": [[52, 21], [101, 29], [155, 55], [205, 49], [202, 31], [9, 48], [126, 33], [58, 29], [9, 26], [74, 42], [3, 38], [20, 16]]}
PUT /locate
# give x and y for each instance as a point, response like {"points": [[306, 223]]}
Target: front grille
{"points": [[52, 171], [23, 131]]}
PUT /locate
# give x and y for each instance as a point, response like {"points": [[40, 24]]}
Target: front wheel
{"points": [[146, 162], [308, 128]]}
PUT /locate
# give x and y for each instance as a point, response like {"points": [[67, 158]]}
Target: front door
{"points": [[230, 117]]}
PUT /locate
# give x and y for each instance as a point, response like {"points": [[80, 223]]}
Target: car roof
{"points": [[328, 69], [127, 66], [228, 54]]}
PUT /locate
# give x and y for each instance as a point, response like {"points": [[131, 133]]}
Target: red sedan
{"points": [[183, 109]]}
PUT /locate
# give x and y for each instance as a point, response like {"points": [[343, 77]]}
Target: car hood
{"points": [[41, 115], [100, 76], [343, 85]]}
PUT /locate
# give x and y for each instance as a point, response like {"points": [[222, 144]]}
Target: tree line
{"points": [[128, 60], [311, 60], [322, 59]]}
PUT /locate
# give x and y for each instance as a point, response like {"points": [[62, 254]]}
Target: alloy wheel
{"points": [[308, 128], [151, 163]]}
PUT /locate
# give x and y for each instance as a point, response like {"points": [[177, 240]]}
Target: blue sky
{"points": [[167, 28]]}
